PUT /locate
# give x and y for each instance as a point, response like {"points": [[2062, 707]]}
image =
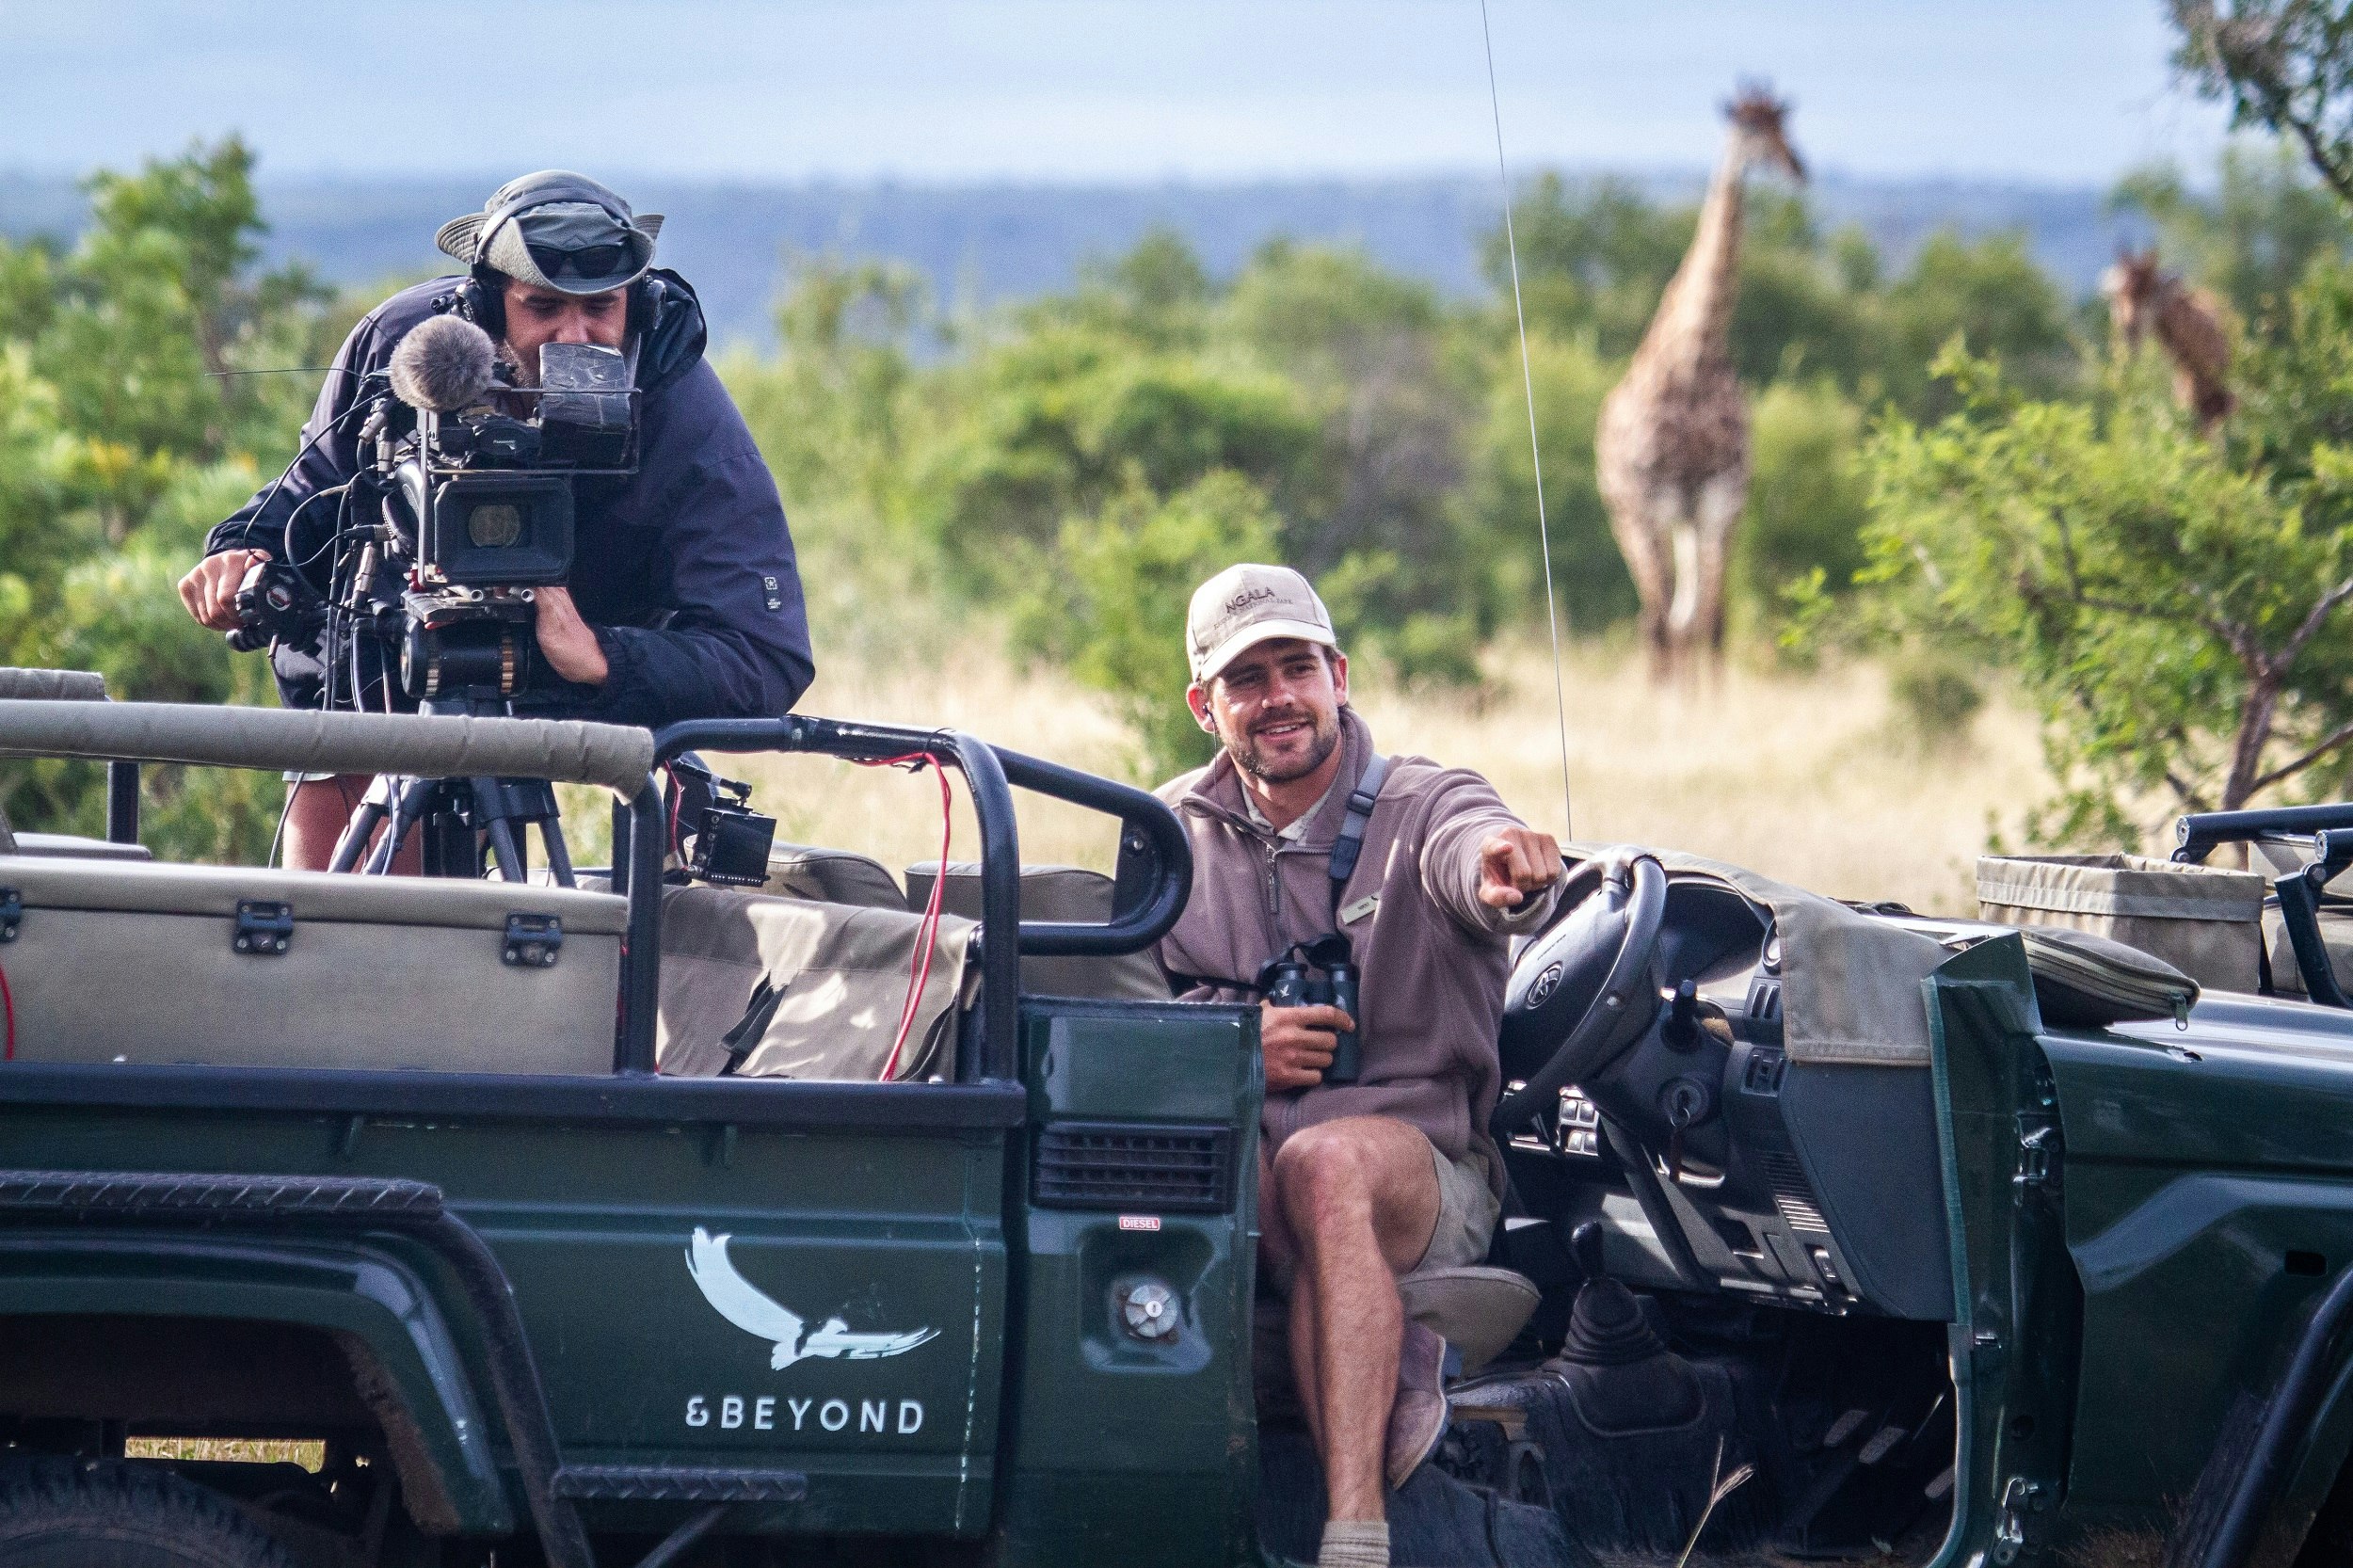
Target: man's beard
{"points": [[1325, 731], [517, 374]]}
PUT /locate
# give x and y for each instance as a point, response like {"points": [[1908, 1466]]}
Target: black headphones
{"points": [[482, 299]]}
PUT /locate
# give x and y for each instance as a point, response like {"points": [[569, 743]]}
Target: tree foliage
{"points": [[2173, 604], [129, 423]]}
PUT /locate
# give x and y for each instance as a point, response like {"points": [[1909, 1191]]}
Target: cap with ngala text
{"points": [[1248, 604]]}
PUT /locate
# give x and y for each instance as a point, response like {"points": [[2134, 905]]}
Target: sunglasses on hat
{"points": [[593, 261]]}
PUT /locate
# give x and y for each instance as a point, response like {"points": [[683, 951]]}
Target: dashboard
{"points": [[1711, 1162]]}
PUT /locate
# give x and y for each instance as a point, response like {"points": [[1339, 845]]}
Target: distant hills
{"points": [[989, 243]]}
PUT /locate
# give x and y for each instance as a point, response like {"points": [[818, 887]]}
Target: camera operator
{"points": [[1403, 882], [683, 599]]}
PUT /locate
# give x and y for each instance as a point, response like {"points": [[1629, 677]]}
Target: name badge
{"points": [[1359, 909]]}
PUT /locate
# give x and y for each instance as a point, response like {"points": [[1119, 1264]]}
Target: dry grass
{"points": [[1813, 778]]}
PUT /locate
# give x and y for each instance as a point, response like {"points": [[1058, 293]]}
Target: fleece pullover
{"points": [[1432, 957]]}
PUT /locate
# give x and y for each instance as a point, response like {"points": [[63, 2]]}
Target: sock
{"points": [[1354, 1544]]}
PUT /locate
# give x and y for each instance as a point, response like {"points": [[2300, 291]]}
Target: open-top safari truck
{"points": [[602, 1225]]}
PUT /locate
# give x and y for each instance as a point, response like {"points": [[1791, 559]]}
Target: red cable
{"points": [[8, 1011], [927, 933]]}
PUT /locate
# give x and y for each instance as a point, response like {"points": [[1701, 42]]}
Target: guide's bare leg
{"points": [[316, 817], [1350, 1205]]}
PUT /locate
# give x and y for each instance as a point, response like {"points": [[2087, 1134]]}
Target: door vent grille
{"points": [[1134, 1165], [1790, 1194]]}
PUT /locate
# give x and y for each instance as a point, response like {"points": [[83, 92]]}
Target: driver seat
{"points": [[1476, 1309]]}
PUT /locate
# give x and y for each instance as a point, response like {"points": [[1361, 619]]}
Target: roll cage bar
{"points": [[1155, 863], [2325, 833]]}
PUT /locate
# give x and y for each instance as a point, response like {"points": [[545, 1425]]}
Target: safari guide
{"points": [[1303, 834]]}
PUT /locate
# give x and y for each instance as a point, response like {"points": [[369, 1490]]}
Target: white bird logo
{"points": [[741, 1303]]}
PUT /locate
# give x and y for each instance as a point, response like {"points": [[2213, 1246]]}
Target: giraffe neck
{"points": [[1695, 316]]}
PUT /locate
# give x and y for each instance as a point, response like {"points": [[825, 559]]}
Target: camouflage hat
{"points": [[556, 229], [1248, 604]]}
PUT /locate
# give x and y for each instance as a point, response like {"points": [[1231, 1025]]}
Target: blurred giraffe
{"points": [[1672, 451], [2189, 325]]}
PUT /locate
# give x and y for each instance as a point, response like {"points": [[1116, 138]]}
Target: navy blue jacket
{"points": [[695, 543]]}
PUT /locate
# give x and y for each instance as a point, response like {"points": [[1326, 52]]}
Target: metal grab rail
{"points": [[1154, 850], [2326, 833]]}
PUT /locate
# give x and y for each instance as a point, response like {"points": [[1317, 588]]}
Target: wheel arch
{"points": [[402, 1359]]}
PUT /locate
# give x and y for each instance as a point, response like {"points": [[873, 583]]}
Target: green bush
{"points": [[1115, 613]]}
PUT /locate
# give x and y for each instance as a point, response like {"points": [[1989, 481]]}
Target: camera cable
{"points": [[927, 933], [245, 535]]}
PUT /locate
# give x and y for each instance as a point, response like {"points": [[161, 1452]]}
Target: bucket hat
{"points": [[556, 229]]}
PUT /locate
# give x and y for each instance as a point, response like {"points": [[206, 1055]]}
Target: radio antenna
{"points": [[1535, 448]]}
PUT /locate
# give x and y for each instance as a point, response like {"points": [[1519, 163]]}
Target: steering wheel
{"points": [[1587, 983]]}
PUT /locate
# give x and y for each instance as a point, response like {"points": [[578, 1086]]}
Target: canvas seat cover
{"points": [[1052, 893], [839, 975], [832, 875]]}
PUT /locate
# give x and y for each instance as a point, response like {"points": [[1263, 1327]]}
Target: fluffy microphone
{"points": [[443, 364]]}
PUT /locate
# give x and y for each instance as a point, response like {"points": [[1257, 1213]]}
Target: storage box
{"points": [[226, 966], [2203, 920]]}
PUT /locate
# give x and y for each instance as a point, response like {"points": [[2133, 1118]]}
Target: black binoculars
{"points": [[1320, 973]]}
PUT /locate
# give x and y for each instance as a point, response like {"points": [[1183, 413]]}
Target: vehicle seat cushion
{"points": [[1052, 893], [832, 876], [1478, 1310], [836, 973], [2336, 935]]}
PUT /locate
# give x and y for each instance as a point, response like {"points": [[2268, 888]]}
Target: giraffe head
{"points": [[2132, 286], [1759, 130]]}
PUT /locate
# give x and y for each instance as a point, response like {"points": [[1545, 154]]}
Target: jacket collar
{"points": [[1218, 790]]}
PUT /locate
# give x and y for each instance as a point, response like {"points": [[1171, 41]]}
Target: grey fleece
{"points": [[1434, 957]]}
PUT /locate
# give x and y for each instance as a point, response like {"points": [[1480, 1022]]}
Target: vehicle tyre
{"points": [[104, 1513]]}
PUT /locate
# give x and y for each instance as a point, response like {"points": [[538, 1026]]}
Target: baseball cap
{"points": [[1248, 604], [556, 230]]}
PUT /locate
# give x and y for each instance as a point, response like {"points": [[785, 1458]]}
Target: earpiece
{"points": [[482, 299]]}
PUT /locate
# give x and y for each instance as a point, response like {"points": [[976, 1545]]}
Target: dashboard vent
{"points": [[1790, 1194], [1133, 1166]]}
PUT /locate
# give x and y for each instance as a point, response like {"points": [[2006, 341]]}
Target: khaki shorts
{"points": [[1468, 1210]]}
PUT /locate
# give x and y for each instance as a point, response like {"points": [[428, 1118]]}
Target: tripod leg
{"points": [[414, 795], [507, 845], [366, 818], [559, 853]]}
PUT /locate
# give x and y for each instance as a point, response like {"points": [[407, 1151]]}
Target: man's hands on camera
{"points": [[567, 642], [210, 591], [1297, 1043]]}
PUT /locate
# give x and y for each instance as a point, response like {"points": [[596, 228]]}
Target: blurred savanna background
{"points": [[1995, 581]]}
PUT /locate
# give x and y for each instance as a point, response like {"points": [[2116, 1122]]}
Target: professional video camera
{"points": [[460, 512], [478, 499], [473, 483]]}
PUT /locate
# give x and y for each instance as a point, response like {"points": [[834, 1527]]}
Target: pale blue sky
{"points": [[2059, 91]]}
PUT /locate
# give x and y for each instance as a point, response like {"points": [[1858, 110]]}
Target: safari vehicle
{"points": [[1838, 1233]]}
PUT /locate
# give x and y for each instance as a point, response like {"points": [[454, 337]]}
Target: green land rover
{"points": [[649, 1219]]}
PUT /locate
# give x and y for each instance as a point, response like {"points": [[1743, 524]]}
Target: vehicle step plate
{"points": [[660, 1484]]}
